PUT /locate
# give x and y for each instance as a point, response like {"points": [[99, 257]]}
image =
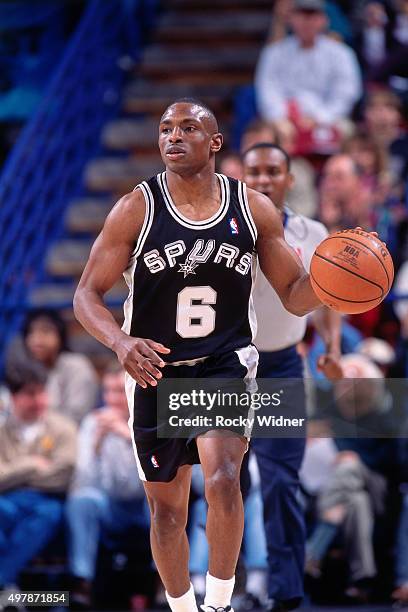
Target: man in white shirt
{"points": [[267, 169], [308, 77]]}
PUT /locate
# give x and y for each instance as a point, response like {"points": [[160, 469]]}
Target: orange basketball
{"points": [[351, 271]]}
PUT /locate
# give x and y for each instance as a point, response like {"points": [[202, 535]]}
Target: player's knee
{"points": [[168, 522], [222, 488]]}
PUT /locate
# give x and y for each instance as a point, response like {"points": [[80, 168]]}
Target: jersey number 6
{"points": [[195, 316]]}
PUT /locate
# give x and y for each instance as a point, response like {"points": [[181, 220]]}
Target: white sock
{"points": [[185, 603], [218, 592]]}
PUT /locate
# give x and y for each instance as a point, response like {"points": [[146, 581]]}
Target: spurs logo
{"points": [[188, 267]]}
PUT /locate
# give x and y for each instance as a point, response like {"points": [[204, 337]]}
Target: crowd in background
{"points": [[331, 87], [332, 90]]}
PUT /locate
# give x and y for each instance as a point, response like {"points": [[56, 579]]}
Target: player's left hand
{"points": [[329, 364]]}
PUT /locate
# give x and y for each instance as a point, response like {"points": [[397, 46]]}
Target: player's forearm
{"points": [[300, 298], [91, 311], [328, 325]]}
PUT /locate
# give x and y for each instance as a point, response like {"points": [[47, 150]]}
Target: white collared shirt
{"points": [[324, 80]]}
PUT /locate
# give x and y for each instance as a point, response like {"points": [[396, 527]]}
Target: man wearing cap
{"points": [[307, 77]]}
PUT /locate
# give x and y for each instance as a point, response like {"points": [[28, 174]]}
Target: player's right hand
{"points": [[139, 357]]}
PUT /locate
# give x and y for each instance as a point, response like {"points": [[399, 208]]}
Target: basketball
{"points": [[351, 271]]}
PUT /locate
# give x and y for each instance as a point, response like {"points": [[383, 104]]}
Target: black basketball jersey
{"points": [[190, 281]]}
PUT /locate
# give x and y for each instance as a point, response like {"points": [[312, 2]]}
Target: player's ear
{"points": [[216, 142]]}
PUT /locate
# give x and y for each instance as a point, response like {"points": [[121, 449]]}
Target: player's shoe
{"points": [[212, 609]]}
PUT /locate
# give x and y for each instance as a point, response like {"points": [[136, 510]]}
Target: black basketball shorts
{"points": [[158, 459]]}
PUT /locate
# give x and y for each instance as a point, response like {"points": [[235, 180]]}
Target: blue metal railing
{"points": [[46, 166]]}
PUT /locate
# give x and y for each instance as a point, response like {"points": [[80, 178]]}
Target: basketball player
{"points": [[267, 169], [186, 241]]}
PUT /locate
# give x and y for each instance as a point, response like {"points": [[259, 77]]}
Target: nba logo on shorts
{"points": [[233, 225], [154, 461]]}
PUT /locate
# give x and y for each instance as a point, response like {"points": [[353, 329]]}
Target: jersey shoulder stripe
{"points": [[246, 211], [148, 219]]}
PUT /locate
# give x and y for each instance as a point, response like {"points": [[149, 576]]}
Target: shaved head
{"points": [[200, 110]]}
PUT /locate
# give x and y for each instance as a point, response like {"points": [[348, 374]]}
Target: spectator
{"points": [[383, 122], [72, 386], [354, 493], [371, 161], [37, 456], [379, 351], [345, 201], [351, 197], [400, 31], [374, 37], [400, 593], [349, 341], [339, 25], [308, 77], [401, 310], [107, 498]]}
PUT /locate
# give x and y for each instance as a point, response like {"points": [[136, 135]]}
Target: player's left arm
{"points": [[278, 261]]}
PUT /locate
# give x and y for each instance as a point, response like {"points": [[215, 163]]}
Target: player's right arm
{"points": [[108, 259]]}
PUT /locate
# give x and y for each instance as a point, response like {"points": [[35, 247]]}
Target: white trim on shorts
{"points": [[130, 386], [249, 358]]}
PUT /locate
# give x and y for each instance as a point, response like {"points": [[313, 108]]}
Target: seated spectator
{"points": [[372, 162], [374, 37], [307, 77], [353, 492], [394, 70], [107, 499], [382, 116], [401, 310], [338, 26], [73, 385], [345, 200], [400, 30], [37, 456], [400, 593], [350, 339], [379, 351], [349, 199]]}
